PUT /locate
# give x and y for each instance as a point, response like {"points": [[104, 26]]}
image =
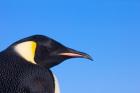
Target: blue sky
{"points": [[109, 30]]}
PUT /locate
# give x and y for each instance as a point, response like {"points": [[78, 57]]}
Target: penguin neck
{"points": [[49, 63], [11, 55], [52, 64]]}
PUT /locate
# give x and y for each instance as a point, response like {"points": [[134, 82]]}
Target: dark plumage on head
{"points": [[44, 51]]}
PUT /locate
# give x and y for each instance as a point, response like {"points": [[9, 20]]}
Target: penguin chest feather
{"points": [[25, 78], [57, 89]]}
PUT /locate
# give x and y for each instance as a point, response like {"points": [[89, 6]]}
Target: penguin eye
{"points": [[43, 50], [50, 46]]}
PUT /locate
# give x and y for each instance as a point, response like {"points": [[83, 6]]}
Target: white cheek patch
{"points": [[27, 50], [57, 89]]}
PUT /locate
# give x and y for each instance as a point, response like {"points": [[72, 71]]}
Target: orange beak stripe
{"points": [[70, 54]]}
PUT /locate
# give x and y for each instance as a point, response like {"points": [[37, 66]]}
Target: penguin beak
{"points": [[76, 54]]}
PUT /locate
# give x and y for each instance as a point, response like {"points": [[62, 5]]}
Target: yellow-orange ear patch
{"points": [[27, 50]]}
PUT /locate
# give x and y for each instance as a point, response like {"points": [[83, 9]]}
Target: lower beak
{"points": [[76, 54]]}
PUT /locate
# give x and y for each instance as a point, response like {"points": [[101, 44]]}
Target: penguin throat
{"points": [[48, 63]]}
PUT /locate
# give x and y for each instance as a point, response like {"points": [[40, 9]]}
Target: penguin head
{"points": [[44, 51]]}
